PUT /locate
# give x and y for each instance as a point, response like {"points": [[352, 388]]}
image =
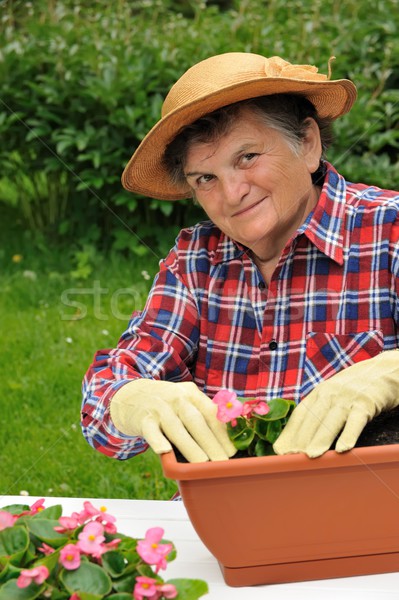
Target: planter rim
{"points": [[368, 455]]}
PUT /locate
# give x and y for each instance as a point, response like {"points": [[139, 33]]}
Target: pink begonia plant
{"points": [[6, 519], [71, 567], [252, 425], [257, 407], [152, 551], [67, 524], [70, 557], [229, 408], [37, 506], [101, 516], [146, 587], [91, 539], [36, 575], [46, 549]]}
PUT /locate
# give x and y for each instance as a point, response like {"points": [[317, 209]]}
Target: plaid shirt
{"points": [[332, 301]]}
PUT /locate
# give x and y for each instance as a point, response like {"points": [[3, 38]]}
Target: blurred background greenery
{"points": [[81, 84]]}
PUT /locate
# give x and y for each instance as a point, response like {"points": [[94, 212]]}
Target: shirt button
{"points": [[261, 285], [273, 345]]}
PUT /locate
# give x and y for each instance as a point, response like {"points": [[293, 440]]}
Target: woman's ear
{"points": [[311, 145]]}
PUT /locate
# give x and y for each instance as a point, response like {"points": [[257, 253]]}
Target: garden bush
{"points": [[82, 83]]}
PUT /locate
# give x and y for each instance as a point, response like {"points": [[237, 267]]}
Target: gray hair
{"points": [[287, 113]]}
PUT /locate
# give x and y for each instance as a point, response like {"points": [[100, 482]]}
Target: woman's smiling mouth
{"points": [[247, 209]]}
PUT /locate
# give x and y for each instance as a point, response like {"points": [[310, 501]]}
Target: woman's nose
{"points": [[235, 187]]}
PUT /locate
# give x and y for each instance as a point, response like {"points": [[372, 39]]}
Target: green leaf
{"points": [[81, 141], [87, 579], [273, 431], [64, 145], [59, 595], [14, 541], [166, 208], [189, 589], [44, 530], [8, 571], [50, 560], [263, 448], [125, 584], [279, 408], [52, 512], [268, 430], [146, 571], [87, 596], [10, 591], [139, 249], [241, 435], [15, 509], [114, 563]]}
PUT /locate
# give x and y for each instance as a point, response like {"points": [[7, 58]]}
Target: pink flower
{"points": [[112, 544], [37, 506], [262, 408], [108, 521], [70, 557], [91, 539], [67, 524], [6, 519], [151, 551], [167, 590], [89, 511], [255, 406], [229, 408], [110, 528], [37, 575], [46, 549], [105, 516], [76, 516], [145, 587], [247, 409], [74, 596]]}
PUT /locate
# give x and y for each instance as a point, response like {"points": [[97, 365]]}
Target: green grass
{"points": [[51, 325]]}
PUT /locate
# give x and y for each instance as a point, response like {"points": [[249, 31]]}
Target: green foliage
{"points": [[255, 434], [82, 83], [21, 548]]}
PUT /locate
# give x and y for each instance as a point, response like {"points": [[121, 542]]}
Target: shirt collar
{"points": [[324, 226], [226, 250]]}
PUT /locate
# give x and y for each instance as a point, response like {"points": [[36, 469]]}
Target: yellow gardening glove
{"points": [[345, 402], [162, 412]]}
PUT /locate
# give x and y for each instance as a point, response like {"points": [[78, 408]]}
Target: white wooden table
{"points": [[193, 560]]}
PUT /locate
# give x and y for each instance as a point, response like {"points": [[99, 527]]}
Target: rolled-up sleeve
{"points": [[160, 343]]}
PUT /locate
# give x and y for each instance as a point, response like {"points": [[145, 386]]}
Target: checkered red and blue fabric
{"points": [[332, 301]]}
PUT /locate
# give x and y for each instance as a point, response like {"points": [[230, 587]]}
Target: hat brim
{"points": [[145, 173]]}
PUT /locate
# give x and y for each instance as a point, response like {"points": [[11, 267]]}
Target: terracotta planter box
{"points": [[290, 518]]}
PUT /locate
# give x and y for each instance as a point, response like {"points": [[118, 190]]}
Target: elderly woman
{"points": [[290, 289]]}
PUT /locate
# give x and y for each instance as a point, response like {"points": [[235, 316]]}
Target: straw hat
{"points": [[216, 82]]}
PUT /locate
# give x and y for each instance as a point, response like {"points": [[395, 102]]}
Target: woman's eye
{"points": [[247, 158], [204, 180]]}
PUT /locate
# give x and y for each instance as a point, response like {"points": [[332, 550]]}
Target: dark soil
{"points": [[382, 430]]}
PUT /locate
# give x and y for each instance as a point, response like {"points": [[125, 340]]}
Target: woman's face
{"points": [[252, 184]]}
